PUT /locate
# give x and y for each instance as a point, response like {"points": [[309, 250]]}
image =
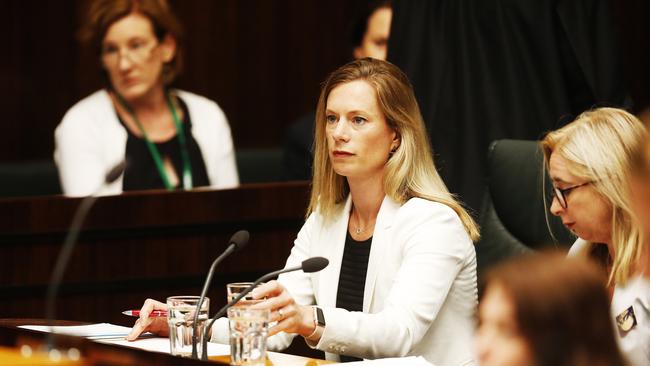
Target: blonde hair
{"points": [[600, 146], [410, 171]]}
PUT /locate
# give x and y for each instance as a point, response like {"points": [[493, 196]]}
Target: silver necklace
{"points": [[358, 229]]}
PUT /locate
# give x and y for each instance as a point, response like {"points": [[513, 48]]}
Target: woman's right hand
{"points": [[155, 325]]}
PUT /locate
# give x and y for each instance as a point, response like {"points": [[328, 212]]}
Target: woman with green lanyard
{"points": [[170, 139]]}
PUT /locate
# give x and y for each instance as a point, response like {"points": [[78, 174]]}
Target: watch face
{"points": [[320, 318]]}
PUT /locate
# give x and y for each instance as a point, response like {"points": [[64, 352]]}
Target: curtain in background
{"points": [[492, 69]]}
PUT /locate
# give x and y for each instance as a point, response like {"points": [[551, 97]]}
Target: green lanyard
{"points": [[187, 168]]}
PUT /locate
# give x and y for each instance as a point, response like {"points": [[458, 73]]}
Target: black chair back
{"points": [[30, 178], [512, 218], [259, 165]]}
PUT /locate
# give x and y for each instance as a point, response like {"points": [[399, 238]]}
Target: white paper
{"points": [[91, 331], [114, 334], [402, 361], [159, 344]]}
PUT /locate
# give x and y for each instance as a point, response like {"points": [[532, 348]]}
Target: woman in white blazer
{"points": [[375, 188], [169, 138], [375, 180]]}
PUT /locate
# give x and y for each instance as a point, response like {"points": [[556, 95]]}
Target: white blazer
{"points": [[90, 140], [420, 294]]}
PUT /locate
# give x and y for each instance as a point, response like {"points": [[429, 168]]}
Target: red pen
{"points": [[155, 313]]}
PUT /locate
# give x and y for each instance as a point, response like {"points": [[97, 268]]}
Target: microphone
{"points": [[310, 265], [68, 245], [237, 242]]}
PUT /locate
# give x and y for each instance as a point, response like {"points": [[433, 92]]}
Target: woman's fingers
{"points": [[275, 296], [146, 323], [288, 320], [290, 317], [281, 326], [269, 289], [283, 312], [274, 303], [137, 329]]}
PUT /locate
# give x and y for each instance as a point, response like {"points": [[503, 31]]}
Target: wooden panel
{"points": [[142, 244]]}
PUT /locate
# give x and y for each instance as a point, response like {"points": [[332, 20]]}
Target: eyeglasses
{"points": [[136, 52], [561, 194]]}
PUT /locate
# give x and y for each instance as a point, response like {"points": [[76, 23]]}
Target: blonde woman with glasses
{"points": [[170, 138], [590, 162]]}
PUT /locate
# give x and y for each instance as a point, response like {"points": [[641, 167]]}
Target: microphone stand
{"points": [[231, 248], [204, 344], [66, 250], [62, 263]]}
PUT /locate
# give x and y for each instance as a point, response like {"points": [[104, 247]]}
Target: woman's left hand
{"points": [[290, 317]]}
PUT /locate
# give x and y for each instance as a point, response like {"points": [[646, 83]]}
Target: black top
{"points": [[141, 171], [352, 279]]}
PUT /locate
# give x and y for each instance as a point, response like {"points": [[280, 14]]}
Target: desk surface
{"points": [[100, 353]]}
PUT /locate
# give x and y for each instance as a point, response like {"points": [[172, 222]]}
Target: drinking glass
{"points": [[248, 332], [235, 288], [180, 317]]}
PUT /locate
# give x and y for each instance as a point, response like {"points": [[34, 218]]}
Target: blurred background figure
{"points": [[546, 310], [370, 32], [368, 38], [591, 163], [495, 69], [170, 138]]}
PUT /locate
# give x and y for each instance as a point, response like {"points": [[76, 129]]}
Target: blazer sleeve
{"points": [[434, 249], [224, 172], [79, 154]]}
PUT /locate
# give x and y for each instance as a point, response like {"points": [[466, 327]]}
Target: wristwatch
{"points": [[319, 324]]}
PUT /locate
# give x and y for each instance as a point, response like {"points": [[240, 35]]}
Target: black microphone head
{"points": [[314, 264], [115, 172], [240, 239]]}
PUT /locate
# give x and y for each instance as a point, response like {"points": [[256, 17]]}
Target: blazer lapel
{"points": [[333, 243], [380, 243]]}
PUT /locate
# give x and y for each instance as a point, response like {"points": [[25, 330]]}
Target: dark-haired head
{"points": [[370, 31], [547, 310]]}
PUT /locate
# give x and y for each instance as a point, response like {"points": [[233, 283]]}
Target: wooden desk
{"points": [[96, 353], [92, 353], [142, 245]]}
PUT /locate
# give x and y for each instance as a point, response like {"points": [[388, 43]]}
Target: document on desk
{"points": [[159, 344], [90, 331], [114, 334], [402, 361]]}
